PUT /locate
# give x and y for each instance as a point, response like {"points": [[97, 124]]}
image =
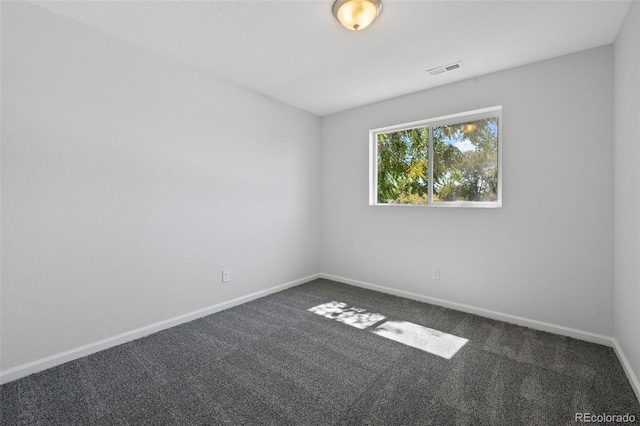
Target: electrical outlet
{"points": [[435, 274], [226, 275]]}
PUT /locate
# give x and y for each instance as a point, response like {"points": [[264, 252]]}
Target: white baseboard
{"points": [[66, 356], [72, 354], [631, 375], [513, 319]]}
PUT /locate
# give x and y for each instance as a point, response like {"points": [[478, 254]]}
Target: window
{"points": [[441, 162]]}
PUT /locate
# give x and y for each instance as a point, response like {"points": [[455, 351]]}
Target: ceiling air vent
{"points": [[445, 68]]}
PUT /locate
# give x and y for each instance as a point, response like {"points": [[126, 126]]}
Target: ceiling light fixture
{"points": [[356, 14]]}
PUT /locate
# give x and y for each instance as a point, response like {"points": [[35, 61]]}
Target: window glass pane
{"points": [[403, 168], [465, 163]]}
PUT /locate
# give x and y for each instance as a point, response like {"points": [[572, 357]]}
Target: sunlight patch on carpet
{"points": [[352, 316], [426, 339]]}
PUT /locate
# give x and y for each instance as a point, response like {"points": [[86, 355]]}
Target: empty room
{"points": [[351, 212]]}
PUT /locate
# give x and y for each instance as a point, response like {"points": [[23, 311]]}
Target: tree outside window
{"points": [[439, 162]]}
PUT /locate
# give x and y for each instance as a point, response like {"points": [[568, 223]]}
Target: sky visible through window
{"points": [[464, 144]]}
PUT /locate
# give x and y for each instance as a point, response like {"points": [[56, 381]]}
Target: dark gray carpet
{"points": [[272, 362]]}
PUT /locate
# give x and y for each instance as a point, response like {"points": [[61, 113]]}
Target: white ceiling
{"points": [[296, 52]]}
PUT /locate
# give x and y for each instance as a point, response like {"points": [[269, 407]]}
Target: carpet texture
{"points": [[274, 362]]}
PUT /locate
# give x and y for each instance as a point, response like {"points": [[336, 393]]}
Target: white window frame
{"points": [[478, 114]]}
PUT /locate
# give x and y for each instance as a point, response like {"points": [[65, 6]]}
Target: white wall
{"points": [[547, 255], [627, 188], [129, 182]]}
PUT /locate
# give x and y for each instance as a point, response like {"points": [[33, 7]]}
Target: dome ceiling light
{"points": [[356, 15]]}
